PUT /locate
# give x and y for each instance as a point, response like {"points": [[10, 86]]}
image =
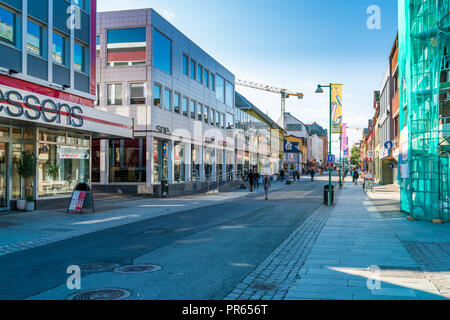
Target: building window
{"points": [[126, 47], [114, 92], [162, 52], [212, 81], [229, 121], [98, 46], [229, 94], [199, 112], [34, 38], [7, 26], [185, 106], [160, 160], [196, 159], [206, 78], [213, 117], [185, 65], [127, 160], [193, 73], [156, 95], [137, 93], [97, 94], [205, 116], [80, 4], [167, 100], [220, 89], [58, 48], [192, 109], [176, 103], [200, 74], [218, 119], [179, 166], [79, 57]]}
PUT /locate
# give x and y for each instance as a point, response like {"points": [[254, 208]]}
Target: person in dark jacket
{"points": [[257, 176], [312, 173], [251, 180], [355, 176]]}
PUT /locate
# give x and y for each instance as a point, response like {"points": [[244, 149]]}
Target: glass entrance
{"points": [[3, 174]]}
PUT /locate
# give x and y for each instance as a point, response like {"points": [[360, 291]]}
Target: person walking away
{"points": [[355, 177], [368, 177], [266, 186], [251, 180], [311, 172], [257, 176], [298, 175]]}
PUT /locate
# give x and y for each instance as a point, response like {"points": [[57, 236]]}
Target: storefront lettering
{"points": [[163, 130], [47, 110]]}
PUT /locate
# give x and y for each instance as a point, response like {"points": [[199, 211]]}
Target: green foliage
{"points": [[26, 167], [30, 199], [355, 157], [53, 171]]}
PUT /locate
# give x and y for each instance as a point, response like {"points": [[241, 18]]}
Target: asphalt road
{"points": [[204, 253]]}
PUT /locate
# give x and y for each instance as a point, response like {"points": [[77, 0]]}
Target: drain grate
{"points": [[159, 231], [98, 266], [101, 294], [261, 286], [138, 268]]}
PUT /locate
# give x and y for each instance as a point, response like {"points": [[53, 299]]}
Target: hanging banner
{"points": [[344, 137], [336, 108]]}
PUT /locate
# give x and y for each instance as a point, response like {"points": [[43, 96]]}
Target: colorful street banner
{"points": [[344, 137], [336, 108]]}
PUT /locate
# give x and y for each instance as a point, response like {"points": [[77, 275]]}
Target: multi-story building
{"points": [[316, 141], [297, 135], [47, 92], [259, 140], [180, 99], [395, 112]]}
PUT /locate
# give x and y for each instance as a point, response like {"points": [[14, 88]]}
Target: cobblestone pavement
{"points": [[272, 278]]}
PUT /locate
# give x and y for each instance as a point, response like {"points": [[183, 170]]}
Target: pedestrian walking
{"points": [[312, 172], [355, 176], [257, 177], [298, 175], [251, 180], [282, 174], [266, 186]]}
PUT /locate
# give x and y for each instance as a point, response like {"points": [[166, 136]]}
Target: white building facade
{"points": [[180, 99]]}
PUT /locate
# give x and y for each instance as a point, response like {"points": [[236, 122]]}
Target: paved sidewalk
{"points": [[25, 230], [354, 252]]}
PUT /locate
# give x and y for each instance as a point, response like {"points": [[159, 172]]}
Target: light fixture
{"points": [[319, 89]]}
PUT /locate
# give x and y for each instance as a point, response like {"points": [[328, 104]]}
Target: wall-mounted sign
{"points": [[388, 145], [163, 130]]}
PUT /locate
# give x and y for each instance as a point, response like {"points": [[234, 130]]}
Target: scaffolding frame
{"points": [[424, 27]]}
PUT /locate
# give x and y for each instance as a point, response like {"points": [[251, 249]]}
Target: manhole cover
{"points": [[162, 231], [101, 294], [264, 286], [138, 268], [98, 266]]}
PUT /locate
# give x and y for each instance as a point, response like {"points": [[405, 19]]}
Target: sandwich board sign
{"points": [[81, 199]]}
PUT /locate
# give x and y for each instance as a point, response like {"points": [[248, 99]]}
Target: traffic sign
{"points": [[388, 145], [331, 158]]}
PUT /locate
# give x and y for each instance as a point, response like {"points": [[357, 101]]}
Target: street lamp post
{"points": [[320, 90]]}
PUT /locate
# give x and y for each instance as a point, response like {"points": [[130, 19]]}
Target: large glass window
{"points": [[229, 94], [98, 47], [212, 82], [79, 57], [58, 48], [200, 74], [185, 106], [206, 78], [137, 93], [157, 95], [220, 88], [176, 102], [229, 121], [114, 92], [160, 160], [179, 166], [193, 71], [199, 112], [168, 100], [126, 47], [185, 65], [162, 52], [63, 162], [127, 160], [34, 38], [206, 115], [7, 26], [196, 158], [209, 158], [192, 109]]}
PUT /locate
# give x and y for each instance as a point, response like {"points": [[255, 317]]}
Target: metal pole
{"points": [[340, 160], [329, 171]]}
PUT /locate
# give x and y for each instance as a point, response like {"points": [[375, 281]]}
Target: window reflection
{"points": [[162, 52], [126, 47]]}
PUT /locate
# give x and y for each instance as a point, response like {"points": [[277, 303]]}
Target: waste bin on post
{"points": [[164, 188], [325, 194]]}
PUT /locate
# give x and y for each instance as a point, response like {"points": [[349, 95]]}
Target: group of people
{"points": [[254, 179], [367, 177]]}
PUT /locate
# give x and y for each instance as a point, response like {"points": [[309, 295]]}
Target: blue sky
{"points": [[293, 44]]}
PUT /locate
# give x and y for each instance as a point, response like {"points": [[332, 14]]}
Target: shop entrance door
{"points": [[3, 175]]}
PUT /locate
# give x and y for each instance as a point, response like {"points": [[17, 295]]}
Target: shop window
{"points": [[114, 92], [179, 166], [176, 102], [160, 161], [8, 26], [4, 132], [79, 57], [162, 52], [95, 172], [137, 93], [127, 160], [196, 159], [58, 51], [168, 100], [34, 38], [157, 95], [126, 47]]}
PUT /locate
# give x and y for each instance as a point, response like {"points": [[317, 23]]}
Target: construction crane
{"points": [[285, 94]]}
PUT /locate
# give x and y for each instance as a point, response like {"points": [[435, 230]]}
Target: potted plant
{"points": [[26, 168], [30, 203], [53, 172]]}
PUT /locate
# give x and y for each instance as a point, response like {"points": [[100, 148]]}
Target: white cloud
{"points": [[170, 16]]}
